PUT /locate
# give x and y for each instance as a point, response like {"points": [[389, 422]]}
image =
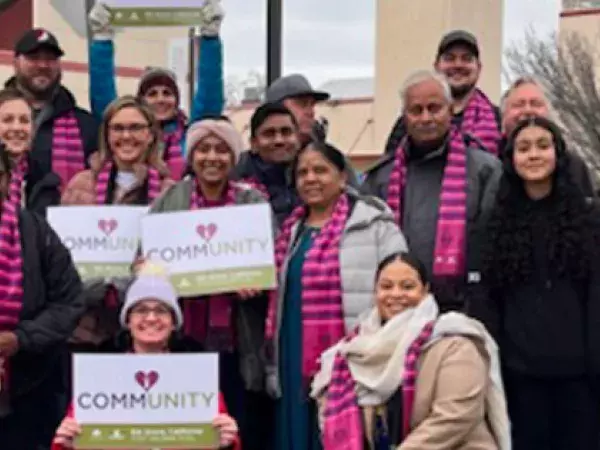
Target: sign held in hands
{"points": [[146, 401], [103, 240], [155, 13], [213, 250]]}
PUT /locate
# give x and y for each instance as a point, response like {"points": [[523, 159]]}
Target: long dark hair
{"points": [[508, 253]]}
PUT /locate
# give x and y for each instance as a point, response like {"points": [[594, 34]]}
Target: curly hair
{"points": [[508, 257]]}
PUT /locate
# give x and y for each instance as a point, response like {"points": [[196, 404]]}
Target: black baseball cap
{"points": [[459, 37], [293, 86], [36, 39]]}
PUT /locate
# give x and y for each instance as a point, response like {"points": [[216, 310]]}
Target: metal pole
{"points": [[89, 4], [194, 43], [274, 39]]}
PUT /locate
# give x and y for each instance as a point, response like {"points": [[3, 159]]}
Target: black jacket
{"points": [[277, 180], [43, 194], [548, 326], [41, 151], [52, 305]]}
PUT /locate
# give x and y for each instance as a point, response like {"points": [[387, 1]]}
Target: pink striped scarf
{"points": [[450, 241], [480, 121], [173, 156], [11, 259], [257, 185], [343, 426], [103, 179], [322, 313], [216, 333], [68, 157]]}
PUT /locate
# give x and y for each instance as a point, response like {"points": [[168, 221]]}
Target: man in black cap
{"points": [[66, 135], [473, 113], [297, 95]]}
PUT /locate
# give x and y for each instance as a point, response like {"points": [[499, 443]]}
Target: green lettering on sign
{"points": [[225, 280], [156, 17], [183, 436]]}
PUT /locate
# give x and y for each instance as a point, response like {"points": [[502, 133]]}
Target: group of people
{"points": [[447, 301]]}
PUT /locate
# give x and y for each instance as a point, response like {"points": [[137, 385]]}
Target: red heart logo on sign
{"points": [[108, 226], [146, 379], [207, 232]]}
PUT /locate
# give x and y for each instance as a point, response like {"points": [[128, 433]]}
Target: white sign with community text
{"points": [[103, 240], [144, 401], [213, 250]]}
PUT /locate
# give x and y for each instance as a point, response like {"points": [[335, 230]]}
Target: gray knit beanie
{"points": [[152, 283]]}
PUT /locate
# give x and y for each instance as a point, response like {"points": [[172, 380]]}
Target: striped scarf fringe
{"points": [[450, 242], [11, 260], [480, 121], [322, 313], [209, 319], [67, 149]]}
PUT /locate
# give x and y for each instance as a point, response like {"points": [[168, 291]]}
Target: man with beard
{"points": [[439, 188], [275, 140], [65, 134], [525, 98], [472, 112]]}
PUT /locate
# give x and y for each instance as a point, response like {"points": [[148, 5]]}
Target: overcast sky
{"points": [[348, 49]]}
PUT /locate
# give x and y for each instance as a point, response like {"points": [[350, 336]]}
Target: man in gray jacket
{"points": [[440, 188]]}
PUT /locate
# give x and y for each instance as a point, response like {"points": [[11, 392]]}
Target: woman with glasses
{"points": [[126, 170], [151, 320]]}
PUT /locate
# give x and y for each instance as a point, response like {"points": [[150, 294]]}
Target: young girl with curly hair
{"points": [[540, 268]]}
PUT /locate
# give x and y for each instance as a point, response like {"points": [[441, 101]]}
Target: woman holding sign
{"points": [[16, 135], [40, 304], [126, 170], [151, 319], [158, 86], [327, 255], [230, 324]]}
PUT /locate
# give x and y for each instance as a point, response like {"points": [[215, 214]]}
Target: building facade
{"points": [[407, 35]]}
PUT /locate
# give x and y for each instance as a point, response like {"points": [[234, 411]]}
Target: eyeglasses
{"points": [[132, 128], [145, 311]]}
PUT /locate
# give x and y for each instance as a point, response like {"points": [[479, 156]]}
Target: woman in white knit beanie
{"points": [[150, 318]]}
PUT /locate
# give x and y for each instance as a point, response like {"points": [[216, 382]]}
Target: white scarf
{"points": [[377, 355]]}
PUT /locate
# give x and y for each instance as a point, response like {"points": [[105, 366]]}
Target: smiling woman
{"points": [[326, 254], [16, 135], [16, 123], [151, 320]]}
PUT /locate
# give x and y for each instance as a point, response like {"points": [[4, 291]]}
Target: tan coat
{"points": [[449, 409], [81, 190]]}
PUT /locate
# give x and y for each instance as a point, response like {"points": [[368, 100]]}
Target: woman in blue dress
{"points": [[327, 253]]}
